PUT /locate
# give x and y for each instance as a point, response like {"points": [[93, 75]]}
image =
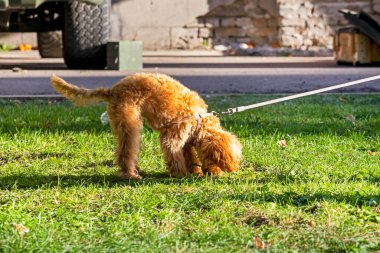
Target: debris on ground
{"points": [[244, 49], [25, 47]]}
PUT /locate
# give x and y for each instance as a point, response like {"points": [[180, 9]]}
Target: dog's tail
{"points": [[80, 96]]}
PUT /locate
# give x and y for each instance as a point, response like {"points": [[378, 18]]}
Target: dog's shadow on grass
{"points": [[66, 181], [27, 182], [261, 194]]}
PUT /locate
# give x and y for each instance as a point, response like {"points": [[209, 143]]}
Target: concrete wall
{"points": [[160, 23]]}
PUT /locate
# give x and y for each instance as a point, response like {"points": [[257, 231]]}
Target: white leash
{"points": [[309, 93], [230, 111]]}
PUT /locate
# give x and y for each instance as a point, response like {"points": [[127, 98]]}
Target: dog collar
{"points": [[199, 117]]}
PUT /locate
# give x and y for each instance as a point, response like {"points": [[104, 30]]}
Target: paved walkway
{"points": [[26, 74]]}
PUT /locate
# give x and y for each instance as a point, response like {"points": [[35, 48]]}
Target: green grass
{"points": [[319, 194]]}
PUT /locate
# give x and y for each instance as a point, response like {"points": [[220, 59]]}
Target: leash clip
{"points": [[230, 111]]}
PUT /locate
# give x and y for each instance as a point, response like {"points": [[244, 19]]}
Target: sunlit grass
{"points": [[319, 193]]}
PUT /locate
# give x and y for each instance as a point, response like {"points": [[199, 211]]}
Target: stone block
{"points": [[270, 6], [293, 22], [229, 32], [244, 21], [288, 30], [251, 31], [193, 43], [257, 12], [228, 22], [266, 31], [194, 24], [260, 22], [214, 22], [288, 13], [304, 12], [260, 41]]}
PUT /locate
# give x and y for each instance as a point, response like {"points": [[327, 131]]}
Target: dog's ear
{"points": [[223, 149], [233, 152]]}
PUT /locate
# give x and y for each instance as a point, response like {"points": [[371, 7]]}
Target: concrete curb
{"points": [[57, 98]]}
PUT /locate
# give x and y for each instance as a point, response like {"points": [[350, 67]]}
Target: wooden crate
{"points": [[124, 55], [353, 47]]}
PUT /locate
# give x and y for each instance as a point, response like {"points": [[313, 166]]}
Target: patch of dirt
{"points": [[255, 218]]}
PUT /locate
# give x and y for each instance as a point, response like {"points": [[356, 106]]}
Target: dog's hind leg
{"points": [[126, 124]]}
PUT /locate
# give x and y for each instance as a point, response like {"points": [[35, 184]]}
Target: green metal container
{"points": [[124, 55]]}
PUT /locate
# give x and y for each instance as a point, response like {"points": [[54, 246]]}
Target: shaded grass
{"points": [[319, 194]]}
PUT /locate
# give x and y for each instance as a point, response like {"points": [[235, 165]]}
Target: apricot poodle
{"points": [[192, 140]]}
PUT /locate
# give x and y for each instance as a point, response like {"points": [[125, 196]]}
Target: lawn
{"points": [[319, 193]]}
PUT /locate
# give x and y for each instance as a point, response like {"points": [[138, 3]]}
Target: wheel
{"points": [[85, 35], [50, 44]]}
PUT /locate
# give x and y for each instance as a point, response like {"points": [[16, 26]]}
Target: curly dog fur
{"points": [[192, 141]]}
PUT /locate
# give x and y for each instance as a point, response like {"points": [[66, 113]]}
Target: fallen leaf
{"points": [[21, 229], [342, 99], [312, 224], [377, 209], [282, 143], [258, 243], [25, 47], [351, 118], [374, 153]]}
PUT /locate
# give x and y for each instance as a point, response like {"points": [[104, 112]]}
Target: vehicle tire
{"points": [[85, 35], [50, 44]]}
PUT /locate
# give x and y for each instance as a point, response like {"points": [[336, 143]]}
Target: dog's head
{"points": [[219, 147]]}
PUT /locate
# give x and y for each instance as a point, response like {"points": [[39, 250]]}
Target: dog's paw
{"points": [[129, 175], [197, 170], [214, 170]]}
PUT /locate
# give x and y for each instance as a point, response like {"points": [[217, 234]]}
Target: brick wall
{"points": [[242, 21], [297, 24], [312, 24]]}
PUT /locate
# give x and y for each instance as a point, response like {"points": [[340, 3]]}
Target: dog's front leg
{"points": [[172, 149], [193, 164]]}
